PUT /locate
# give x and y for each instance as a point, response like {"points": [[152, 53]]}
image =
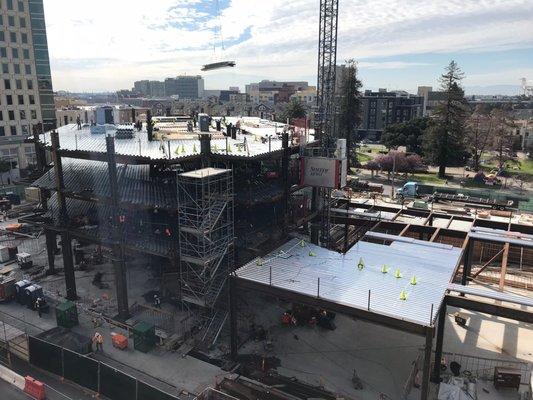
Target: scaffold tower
{"points": [[206, 235]]}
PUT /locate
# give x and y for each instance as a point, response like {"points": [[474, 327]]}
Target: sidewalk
{"points": [[168, 371], [56, 389]]}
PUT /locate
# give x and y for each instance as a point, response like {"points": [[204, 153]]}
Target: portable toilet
{"points": [[4, 254], [67, 315], [20, 287], [144, 338], [7, 289], [32, 293]]}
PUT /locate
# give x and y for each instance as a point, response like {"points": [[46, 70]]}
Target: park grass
{"points": [[363, 158], [431, 179]]}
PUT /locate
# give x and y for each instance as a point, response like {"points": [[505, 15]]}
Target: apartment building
{"points": [[26, 96]]}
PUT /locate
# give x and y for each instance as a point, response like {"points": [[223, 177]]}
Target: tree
{"points": [[408, 134], [444, 142], [503, 143], [349, 108], [294, 109], [398, 162], [480, 133]]}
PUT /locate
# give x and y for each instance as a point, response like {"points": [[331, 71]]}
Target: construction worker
{"points": [[157, 301], [38, 306], [98, 339]]}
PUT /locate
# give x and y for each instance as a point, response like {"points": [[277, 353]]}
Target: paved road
{"points": [[10, 392]]}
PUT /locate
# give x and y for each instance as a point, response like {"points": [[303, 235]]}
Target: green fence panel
{"points": [[147, 392], [81, 370], [115, 385], [46, 356]]}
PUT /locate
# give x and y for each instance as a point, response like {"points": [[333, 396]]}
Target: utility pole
{"points": [[393, 173]]}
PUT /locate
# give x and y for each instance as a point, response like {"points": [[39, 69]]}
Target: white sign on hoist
{"points": [[325, 172]]}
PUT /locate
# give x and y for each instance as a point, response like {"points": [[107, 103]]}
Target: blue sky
{"points": [[400, 44]]}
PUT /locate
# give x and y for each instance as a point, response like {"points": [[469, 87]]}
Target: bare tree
{"points": [[480, 134], [503, 136]]}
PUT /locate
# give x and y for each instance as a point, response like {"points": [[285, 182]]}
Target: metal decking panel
{"points": [[91, 178], [292, 268]]}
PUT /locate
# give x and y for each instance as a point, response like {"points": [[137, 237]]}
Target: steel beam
{"points": [[489, 308], [313, 301]]}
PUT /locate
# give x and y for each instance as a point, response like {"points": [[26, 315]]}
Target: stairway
{"points": [[214, 328]]}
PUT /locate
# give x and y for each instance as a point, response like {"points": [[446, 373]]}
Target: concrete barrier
{"points": [[11, 377]]}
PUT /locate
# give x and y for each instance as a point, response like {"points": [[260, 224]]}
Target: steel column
{"points": [[467, 263], [68, 266], [51, 246], [233, 319], [424, 392], [285, 175], [119, 254], [440, 341], [66, 245]]}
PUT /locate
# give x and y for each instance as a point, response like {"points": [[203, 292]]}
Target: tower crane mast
{"points": [[327, 61], [325, 108]]}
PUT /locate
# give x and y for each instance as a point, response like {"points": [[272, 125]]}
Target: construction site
{"points": [[229, 258]]}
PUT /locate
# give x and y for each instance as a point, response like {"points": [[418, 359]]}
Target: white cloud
{"points": [[108, 44]]}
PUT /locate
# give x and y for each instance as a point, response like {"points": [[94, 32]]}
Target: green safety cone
{"points": [[259, 261], [194, 148], [182, 149], [397, 274], [215, 148], [229, 148], [361, 264], [311, 254], [302, 243], [384, 269], [403, 295], [413, 280]]}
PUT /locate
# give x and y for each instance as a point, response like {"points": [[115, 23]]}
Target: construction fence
{"points": [[90, 373]]}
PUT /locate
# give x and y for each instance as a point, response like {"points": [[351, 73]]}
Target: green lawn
{"points": [[364, 157], [431, 179]]}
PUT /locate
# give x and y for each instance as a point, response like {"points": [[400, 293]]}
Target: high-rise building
{"points": [[26, 95], [143, 87], [268, 86], [157, 89], [186, 87]]}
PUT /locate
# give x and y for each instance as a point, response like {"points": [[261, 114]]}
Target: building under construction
{"points": [[195, 202]]}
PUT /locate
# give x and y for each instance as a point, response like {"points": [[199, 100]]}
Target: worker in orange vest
{"points": [[98, 339]]}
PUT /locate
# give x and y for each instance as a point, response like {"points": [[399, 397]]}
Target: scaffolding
{"points": [[206, 237]]}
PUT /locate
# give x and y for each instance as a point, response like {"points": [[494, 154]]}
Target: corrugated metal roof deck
{"points": [[145, 242], [293, 268], [134, 182], [70, 138]]}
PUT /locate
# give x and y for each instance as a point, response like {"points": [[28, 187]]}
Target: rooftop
{"points": [[254, 144], [311, 270]]}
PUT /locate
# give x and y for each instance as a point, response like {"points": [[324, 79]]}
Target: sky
{"points": [[105, 45]]}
